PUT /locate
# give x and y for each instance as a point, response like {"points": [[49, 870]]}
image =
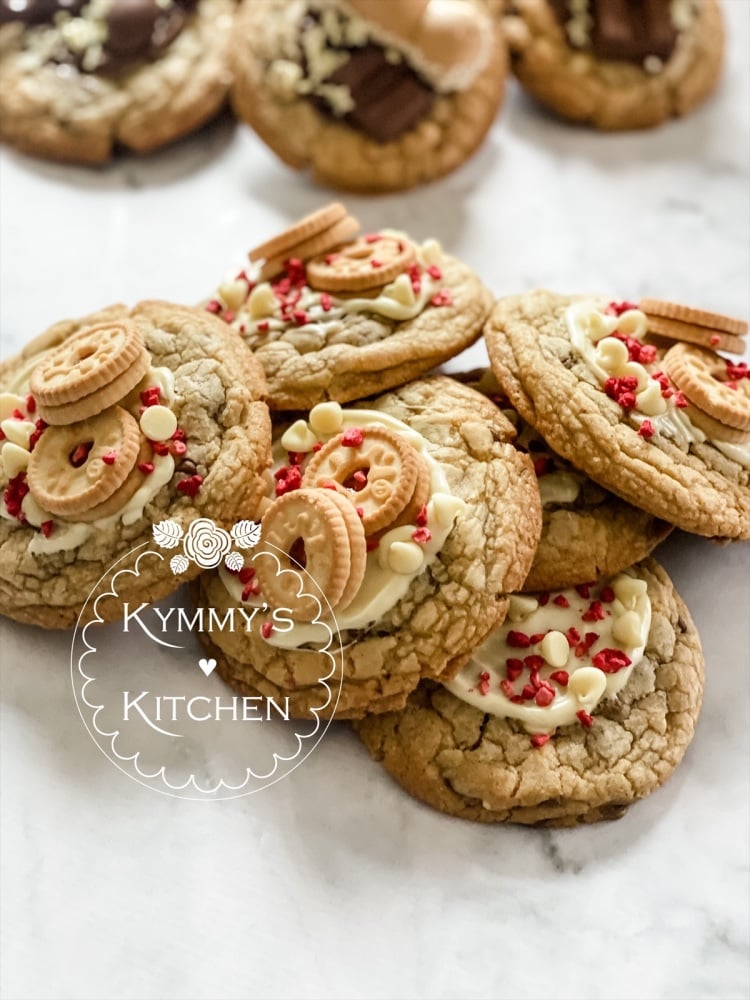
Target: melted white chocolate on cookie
{"points": [[577, 684], [393, 565], [591, 332]]}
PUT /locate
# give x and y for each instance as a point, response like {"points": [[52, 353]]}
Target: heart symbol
{"points": [[207, 666]]}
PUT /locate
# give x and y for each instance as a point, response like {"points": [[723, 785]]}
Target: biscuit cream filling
{"points": [[656, 409], [292, 311], [21, 430], [558, 655], [395, 555]]}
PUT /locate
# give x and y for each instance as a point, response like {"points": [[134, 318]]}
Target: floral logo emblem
{"points": [[206, 544]]}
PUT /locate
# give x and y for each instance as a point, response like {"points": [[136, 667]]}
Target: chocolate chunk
{"points": [[389, 98], [627, 30], [133, 24], [36, 11]]}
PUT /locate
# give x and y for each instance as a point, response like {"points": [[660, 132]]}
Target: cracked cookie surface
{"points": [[700, 490], [449, 607], [82, 117], [607, 93], [219, 392], [464, 762]]}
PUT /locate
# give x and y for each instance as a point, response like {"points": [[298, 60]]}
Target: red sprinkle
{"points": [[643, 353], [299, 316], [160, 447], [680, 401], [326, 302], [109, 457], [618, 308], [40, 428], [18, 415], [561, 601], [352, 437], [573, 635], [189, 487], [507, 688], [646, 430], [536, 637], [372, 238], [622, 390], [415, 276], [534, 662], [542, 465], [213, 307], [288, 478], [246, 574], [484, 682], [585, 719], [151, 396], [372, 543], [560, 677], [595, 613], [513, 668], [544, 599], [376, 263], [47, 527], [30, 404], [544, 696], [529, 692], [360, 511], [229, 315], [264, 326], [13, 495], [611, 660], [421, 535], [422, 516], [146, 468], [539, 739], [715, 339], [178, 447], [442, 298], [584, 589], [251, 589], [266, 630], [434, 272], [608, 594], [737, 370], [586, 643], [518, 640]]}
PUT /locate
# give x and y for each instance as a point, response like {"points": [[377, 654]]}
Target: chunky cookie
{"points": [[587, 532], [631, 413], [566, 726], [615, 64], [333, 315], [414, 516], [108, 425], [79, 78], [371, 96]]}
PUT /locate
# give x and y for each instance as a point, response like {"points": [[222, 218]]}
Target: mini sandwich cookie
{"points": [[80, 77], [661, 422], [587, 532], [371, 96], [333, 315], [108, 425], [414, 515], [583, 702], [616, 64]]}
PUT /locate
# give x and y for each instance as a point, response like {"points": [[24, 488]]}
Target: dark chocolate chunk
{"points": [[627, 30]]}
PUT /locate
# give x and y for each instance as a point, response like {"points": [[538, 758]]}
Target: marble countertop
{"points": [[334, 883]]}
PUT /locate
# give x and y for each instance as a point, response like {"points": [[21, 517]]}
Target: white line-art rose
{"points": [[206, 543]]}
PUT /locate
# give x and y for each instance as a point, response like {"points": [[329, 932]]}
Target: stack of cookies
{"points": [[479, 546]]}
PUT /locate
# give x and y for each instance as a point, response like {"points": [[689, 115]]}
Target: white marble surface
{"points": [[334, 883]]}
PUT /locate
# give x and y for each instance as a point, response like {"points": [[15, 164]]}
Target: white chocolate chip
{"points": [[611, 354], [431, 252], [633, 323], [558, 488], [598, 325], [653, 65], [14, 459], [521, 606], [10, 402], [405, 557], [233, 293], [327, 418], [18, 431], [262, 301], [443, 508], [158, 423], [628, 589], [401, 290], [298, 437], [587, 685], [627, 629], [34, 514], [555, 648], [650, 400]]}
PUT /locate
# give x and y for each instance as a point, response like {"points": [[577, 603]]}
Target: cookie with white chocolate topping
{"points": [[615, 64], [587, 532], [80, 79], [437, 575], [354, 316], [189, 438], [583, 373], [575, 731], [371, 96]]}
